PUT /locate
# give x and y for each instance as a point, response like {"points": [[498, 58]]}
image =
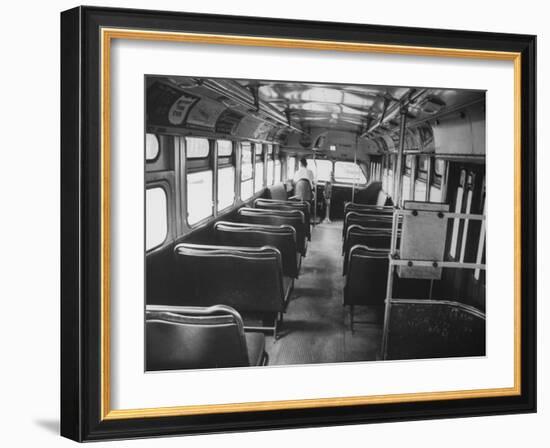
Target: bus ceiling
{"points": [[342, 122]]}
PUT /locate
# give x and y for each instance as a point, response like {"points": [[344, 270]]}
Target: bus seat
{"points": [[434, 329], [271, 204], [277, 191], [365, 208], [200, 338], [282, 237], [369, 194], [371, 237], [367, 276], [249, 279], [370, 219], [294, 218]]}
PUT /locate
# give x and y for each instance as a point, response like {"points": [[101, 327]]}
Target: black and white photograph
{"points": [[291, 222]]}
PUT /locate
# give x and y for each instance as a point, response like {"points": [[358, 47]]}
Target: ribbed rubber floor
{"points": [[316, 326]]}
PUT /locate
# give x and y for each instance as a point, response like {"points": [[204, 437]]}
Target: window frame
{"points": [[165, 189], [154, 159]]}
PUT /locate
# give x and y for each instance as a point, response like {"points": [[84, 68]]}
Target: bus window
{"points": [[290, 167], [225, 148], [348, 172], [259, 168], [278, 170], [437, 180], [246, 171], [270, 168], [458, 209], [321, 169], [156, 217], [469, 196], [152, 148], [197, 148], [406, 187], [199, 196], [226, 187], [270, 165]]}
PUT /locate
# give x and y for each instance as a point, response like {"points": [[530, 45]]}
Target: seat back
{"points": [[370, 219], [270, 204], [367, 276], [194, 338], [302, 190], [294, 218], [249, 279], [434, 329], [282, 237], [372, 237], [364, 208], [277, 191]]}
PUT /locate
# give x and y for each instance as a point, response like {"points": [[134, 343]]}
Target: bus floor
{"points": [[316, 327]]}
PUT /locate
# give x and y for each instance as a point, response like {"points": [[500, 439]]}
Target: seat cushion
{"points": [[255, 343]]}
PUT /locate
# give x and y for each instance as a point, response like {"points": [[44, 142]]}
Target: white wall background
{"points": [[29, 224]]}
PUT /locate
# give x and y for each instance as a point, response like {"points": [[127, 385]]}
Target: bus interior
{"points": [[379, 255]]}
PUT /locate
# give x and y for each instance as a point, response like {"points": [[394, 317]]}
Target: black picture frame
{"points": [[81, 407]]}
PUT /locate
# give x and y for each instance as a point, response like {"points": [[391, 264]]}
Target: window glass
{"points": [[269, 150], [423, 164], [258, 148], [348, 172], [225, 148], [321, 169], [246, 171], [226, 187], [197, 148], [439, 167], [156, 217], [246, 161], [435, 194], [259, 177], [270, 166], [419, 190], [458, 209], [199, 196], [151, 146], [290, 167], [277, 171], [405, 192]]}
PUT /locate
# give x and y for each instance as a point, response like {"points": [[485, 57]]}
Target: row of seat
{"points": [[367, 233], [248, 273]]}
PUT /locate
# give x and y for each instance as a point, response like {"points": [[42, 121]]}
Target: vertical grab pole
{"points": [[314, 188], [398, 183], [355, 163], [389, 284]]}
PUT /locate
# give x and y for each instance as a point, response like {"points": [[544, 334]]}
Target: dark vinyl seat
{"points": [[180, 337], [294, 218], [372, 237], [365, 208], [371, 219], [366, 279], [422, 328], [249, 279], [277, 192], [272, 204], [282, 237]]}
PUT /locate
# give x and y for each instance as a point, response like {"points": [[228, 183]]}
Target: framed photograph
{"points": [[276, 224]]}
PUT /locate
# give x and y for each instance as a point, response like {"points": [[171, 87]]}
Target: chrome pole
{"points": [[398, 182]]}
